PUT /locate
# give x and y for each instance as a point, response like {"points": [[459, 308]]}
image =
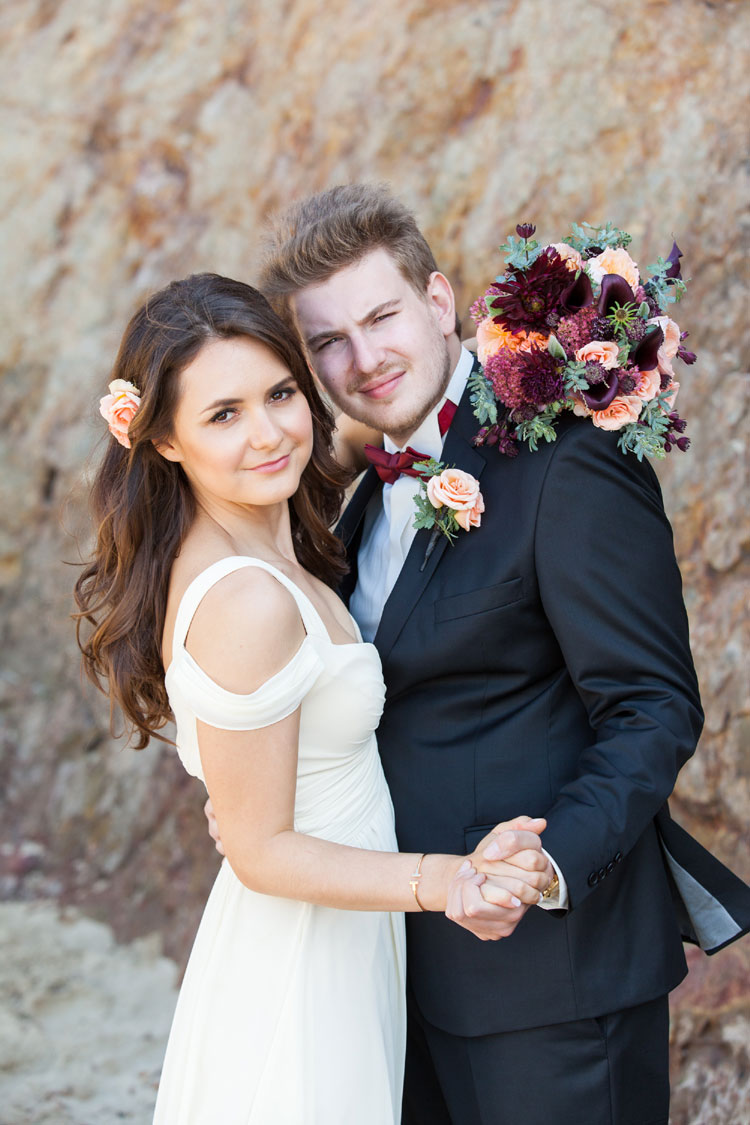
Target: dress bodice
{"points": [[338, 688]]}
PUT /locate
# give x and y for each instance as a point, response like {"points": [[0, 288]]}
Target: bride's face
{"points": [[242, 430]]}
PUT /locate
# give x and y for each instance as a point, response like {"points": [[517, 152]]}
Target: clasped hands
{"points": [[501, 879], [496, 884]]}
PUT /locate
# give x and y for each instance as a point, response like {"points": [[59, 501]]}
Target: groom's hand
{"points": [[506, 875], [213, 827], [513, 851]]}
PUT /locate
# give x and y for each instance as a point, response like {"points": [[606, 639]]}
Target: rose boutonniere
{"points": [[448, 501]]}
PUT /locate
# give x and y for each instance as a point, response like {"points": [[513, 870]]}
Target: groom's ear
{"points": [[441, 298]]}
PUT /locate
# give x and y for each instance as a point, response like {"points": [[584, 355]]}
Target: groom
{"points": [[539, 664]]}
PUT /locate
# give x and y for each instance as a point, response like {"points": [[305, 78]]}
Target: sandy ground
{"points": [[83, 1021]]}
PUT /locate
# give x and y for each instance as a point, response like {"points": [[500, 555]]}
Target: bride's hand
{"points": [[213, 827]]}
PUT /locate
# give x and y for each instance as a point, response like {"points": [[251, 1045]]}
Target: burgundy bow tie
{"points": [[390, 466]]}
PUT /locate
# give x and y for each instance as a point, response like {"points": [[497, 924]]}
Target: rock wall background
{"points": [[146, 139]]}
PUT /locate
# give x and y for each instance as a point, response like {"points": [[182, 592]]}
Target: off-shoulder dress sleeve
{"points": [[192, 688]]}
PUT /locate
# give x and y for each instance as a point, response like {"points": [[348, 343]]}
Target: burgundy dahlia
{"points": [[526, 298]]}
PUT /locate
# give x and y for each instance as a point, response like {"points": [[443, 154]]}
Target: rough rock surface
{"points": [[147, 139], [83, 1022]]}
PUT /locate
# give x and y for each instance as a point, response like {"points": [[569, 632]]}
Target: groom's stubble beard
{"points": [[433, 373]]}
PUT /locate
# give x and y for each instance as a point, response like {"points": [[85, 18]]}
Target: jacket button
{"points": [[611, 866], [602, 873], [593, 879], [618, 857]]}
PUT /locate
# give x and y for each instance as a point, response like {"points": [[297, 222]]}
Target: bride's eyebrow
{"points": [[224, 403]]}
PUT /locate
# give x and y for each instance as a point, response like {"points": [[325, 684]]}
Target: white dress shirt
{"points": [[389, 532]]}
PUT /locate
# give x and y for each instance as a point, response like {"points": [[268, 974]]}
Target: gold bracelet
{"points": [[414, 880]]}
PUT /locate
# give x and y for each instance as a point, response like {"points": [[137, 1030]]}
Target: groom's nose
{"points": [[366, 357]]}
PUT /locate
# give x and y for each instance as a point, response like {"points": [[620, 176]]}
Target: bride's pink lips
{"points": [[272, 466], [382, 390]]}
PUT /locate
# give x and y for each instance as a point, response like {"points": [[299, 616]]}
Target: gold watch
{"points": [[552, 888]]}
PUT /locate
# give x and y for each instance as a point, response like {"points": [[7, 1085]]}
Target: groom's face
{"points": [[383, 351]]}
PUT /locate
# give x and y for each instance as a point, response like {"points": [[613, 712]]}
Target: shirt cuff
{"points": [[558, 900]]}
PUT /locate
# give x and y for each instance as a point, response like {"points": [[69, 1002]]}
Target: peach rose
{"points": [[580, 409], [604, 352], [647, 384], [671, 335], [119, 407], [668, 350], [454, 488], [621, 412], [471, 517], [571, 257], [614, 261], [492, 336]]}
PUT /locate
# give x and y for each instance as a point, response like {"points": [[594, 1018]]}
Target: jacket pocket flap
{"points": [[479, 601]]}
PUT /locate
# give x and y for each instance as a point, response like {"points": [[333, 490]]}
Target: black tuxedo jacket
{"points": [[540, 664]]}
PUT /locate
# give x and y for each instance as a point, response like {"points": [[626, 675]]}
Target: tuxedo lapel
{"points": [[349, 528], [458, 451], [355, 510]]}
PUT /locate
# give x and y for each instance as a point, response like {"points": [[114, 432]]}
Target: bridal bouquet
{"points": [[576, 325]]}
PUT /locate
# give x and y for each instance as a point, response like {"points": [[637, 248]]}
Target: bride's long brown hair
{"points": [[143, 505]]}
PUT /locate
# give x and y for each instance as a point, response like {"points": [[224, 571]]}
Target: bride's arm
{"points": [[349, 440], [246, 630]]}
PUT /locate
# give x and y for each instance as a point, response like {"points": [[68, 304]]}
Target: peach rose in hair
{"points": [[621, 412], [119, 407]]}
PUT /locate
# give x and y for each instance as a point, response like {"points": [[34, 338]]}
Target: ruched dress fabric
{"points": [[290, 1013]]}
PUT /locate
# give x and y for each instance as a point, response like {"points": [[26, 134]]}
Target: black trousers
{"points": [[611, 1070]]}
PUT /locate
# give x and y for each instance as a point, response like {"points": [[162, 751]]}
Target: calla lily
{"points": [[647, 351], [674, 262], [578, 295], [615, 291], [599, 396]]}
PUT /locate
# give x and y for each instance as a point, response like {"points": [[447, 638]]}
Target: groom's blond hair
{"points": [[314, 238]]}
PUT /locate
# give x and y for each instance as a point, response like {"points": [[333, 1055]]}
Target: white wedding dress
{"points": [[291, 1014]]}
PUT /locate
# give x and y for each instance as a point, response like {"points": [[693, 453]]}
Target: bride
{"points": [[210, 599]]}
